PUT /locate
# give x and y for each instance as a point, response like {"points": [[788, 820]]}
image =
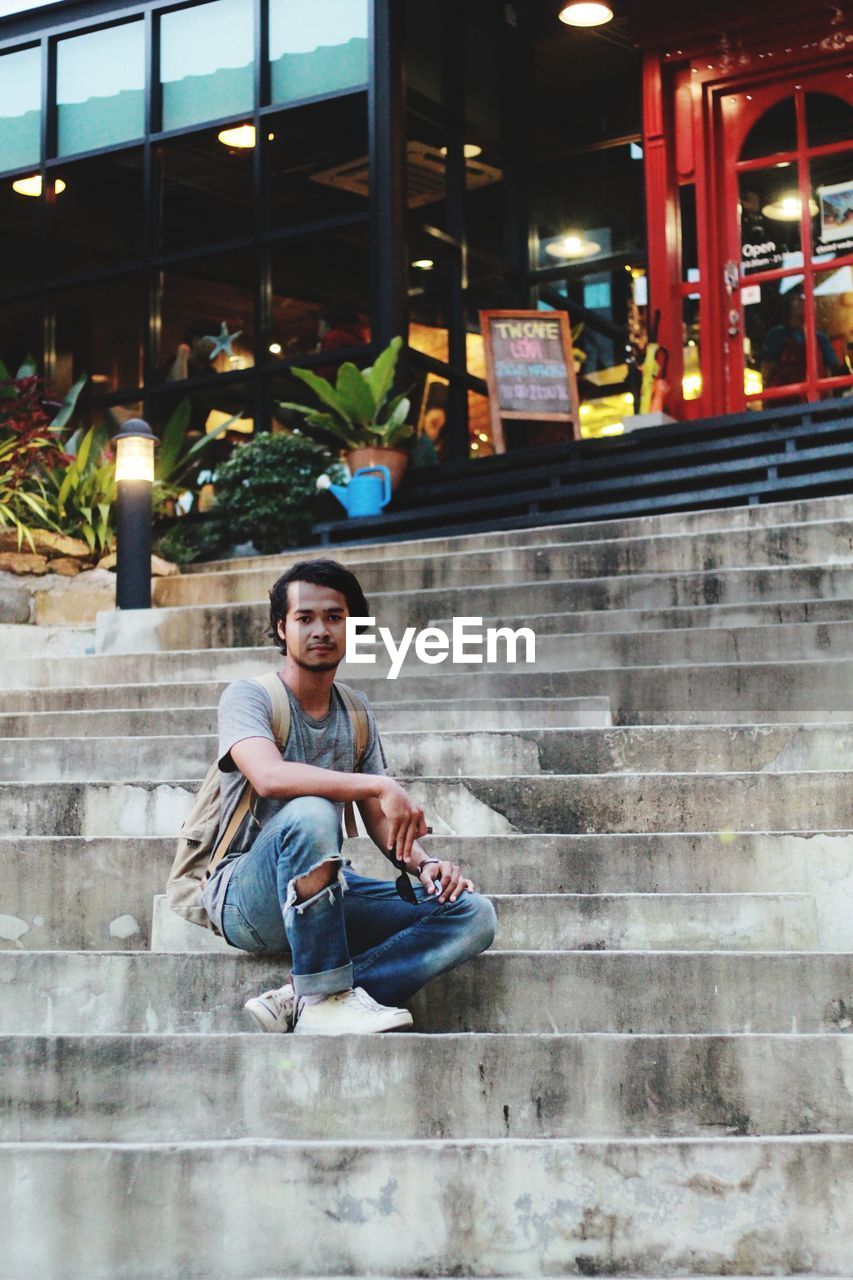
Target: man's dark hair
{"points": [[322, 573]]}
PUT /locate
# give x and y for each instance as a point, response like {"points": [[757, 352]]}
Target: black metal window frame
{"points": [[382, 217]]}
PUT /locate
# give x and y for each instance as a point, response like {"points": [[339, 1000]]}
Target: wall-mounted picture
{"points": [[836, 211]]}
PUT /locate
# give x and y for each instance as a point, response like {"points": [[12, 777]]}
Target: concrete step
{"points": [[727, 693], [62, 892], [562, 804], [499, 753], [484, 714], [654, 992], [222, 625], [65, 1088], [642, 1207], [607, 922], [814, 510], [815, 543]]}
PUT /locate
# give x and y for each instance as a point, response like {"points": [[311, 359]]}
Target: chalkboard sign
{"points": [[529, 367]]}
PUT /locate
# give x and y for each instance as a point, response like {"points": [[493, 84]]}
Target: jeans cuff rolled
{"points": [[325, 983]]}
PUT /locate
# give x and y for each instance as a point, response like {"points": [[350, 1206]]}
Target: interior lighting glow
{"points": [[241, 136], [572, 246], [586, 13], [787, 208], [32, 186]]}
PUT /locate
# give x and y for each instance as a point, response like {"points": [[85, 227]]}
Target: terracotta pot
{"points": [[396, 460]]}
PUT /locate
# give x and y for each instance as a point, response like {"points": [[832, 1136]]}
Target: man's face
{"points": [[314, 628]]}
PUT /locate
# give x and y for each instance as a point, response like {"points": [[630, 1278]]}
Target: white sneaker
{"points": [[351, 1012], [273, 1010]]}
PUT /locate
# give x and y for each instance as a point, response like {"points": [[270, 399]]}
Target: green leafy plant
{"points": [[30, 451], [175, 461], [362, 415], [266, 491], [86, 492], [188, 541]]}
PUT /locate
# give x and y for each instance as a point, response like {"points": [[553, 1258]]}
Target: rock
{"points": [[23, 562], [14, 603], [60, 601], [160, 568], [50, 544], [65, 567]]}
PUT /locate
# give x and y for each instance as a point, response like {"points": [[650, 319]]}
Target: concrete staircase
{"points": [[650, 1074]]}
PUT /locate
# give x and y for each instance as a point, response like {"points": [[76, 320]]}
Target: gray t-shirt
{"points": [[245, 711]]}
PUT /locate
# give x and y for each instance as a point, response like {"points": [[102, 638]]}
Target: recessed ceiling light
{"points": [[423, 264], [241, 136], [275, 348], [586, 13], [470, 150]]}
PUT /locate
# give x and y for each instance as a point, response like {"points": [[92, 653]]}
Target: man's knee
{"points": [[479, 921]]}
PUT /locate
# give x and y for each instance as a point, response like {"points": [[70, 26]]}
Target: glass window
{"points": [[22, 233], [97, 220], [207, 187], [20, 109], [828, 119], [834, 312], [20, 334], [775, 131], [832, 211], [99, 330], [209, 407], [770, 219], [774, 334], [317, 48], [316, 160], [206, 62], [321, 294], [208, 316], [100, 88]]}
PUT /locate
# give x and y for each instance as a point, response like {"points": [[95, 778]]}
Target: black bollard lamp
{"points": [[134, 477]]}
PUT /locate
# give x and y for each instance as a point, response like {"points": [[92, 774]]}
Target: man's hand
{"points": [[405, 819], [445, 881]]}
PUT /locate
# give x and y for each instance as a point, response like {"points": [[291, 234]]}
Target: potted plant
{"points": [[359, 413]]}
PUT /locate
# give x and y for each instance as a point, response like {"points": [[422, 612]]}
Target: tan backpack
{"points": [[198, 852]]}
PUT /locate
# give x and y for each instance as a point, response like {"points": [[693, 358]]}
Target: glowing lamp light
{"points": [[241, 136], [32, 186], [470, 151], [613, 429], [787, 208], [275, 348], [572, 246], [423, 264], [586, 13], [135, 451]]}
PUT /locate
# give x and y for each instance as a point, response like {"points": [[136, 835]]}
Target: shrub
{"points": [[266, 491], [188, 541]]}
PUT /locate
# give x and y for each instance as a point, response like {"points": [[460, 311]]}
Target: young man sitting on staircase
{"points": [[361, 948]]}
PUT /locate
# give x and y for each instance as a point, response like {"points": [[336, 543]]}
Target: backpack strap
{"points": [[361, 729], [280, 724]]}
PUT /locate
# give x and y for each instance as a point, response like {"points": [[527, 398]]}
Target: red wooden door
{"points": [[782, 264]]}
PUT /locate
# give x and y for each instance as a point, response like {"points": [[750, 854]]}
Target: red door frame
{"points": [[690, 134]]}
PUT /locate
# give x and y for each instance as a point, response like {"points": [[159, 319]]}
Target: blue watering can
{"points": [[366, 494]]}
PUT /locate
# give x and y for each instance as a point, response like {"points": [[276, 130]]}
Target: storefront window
{"points": [[207, 192], [828, 119], [100, 88], [21, 226], [775, 132], [770, 210], [208, 317], [834, 313], [20, 108], [320, 296], [317, 49], [99, 331], [20, 334], [832, 211], [316, 161], [97, 221], [206, 62]]}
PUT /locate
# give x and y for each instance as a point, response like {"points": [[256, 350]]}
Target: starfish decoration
{"points": [[224, 342]]}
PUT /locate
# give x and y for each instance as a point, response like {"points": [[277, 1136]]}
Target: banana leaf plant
{"points": [[358, 410]]}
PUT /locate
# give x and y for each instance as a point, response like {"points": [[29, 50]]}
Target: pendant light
{"points": [[586, 13]]}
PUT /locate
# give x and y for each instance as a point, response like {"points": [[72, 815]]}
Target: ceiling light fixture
{"points": [[586, 13], [240, 136], [423, 264], [470, 150], [572, 246], [787, 208], [32, 186]]}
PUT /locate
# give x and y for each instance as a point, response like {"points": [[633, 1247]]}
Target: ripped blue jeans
{"points": [[358, 931]]}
